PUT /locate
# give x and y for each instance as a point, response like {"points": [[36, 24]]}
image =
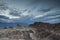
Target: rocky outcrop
{"points": [[46, 25], [36, 31], [28, 33]]}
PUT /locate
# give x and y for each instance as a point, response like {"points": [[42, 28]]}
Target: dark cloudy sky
{"points": [[29, 11]]}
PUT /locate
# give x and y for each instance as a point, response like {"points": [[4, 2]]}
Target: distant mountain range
{"points": [[5, 24]]}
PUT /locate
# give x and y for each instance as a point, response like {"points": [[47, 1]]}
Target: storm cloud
{"points": [[3, 17], [28, 11]]}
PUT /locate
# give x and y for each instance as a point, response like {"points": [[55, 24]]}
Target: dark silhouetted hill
{"points": [[46, 25]]}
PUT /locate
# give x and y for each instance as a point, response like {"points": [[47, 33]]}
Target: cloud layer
{"points": [[31, 11]]}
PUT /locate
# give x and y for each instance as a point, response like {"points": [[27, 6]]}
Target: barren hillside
{"points": [[28, 33]]}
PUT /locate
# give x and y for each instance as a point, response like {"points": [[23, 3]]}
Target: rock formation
{"points": [[36, 31]]}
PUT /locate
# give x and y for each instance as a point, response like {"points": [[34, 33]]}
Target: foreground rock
{"points": [[28, 33], [36, 31]]}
